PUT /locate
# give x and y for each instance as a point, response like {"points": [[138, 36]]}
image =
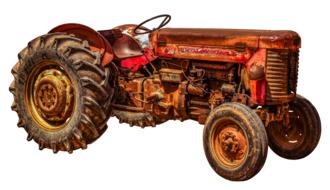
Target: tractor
{"points": [[240, 84]]}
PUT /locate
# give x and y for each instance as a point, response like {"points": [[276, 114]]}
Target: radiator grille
{"points": [[281, 75], [293, 71]]}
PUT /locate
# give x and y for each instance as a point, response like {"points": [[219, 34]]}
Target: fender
{"points": [[96, 41]]}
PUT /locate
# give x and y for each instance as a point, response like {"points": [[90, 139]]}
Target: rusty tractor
{"points": [[241, 84]]}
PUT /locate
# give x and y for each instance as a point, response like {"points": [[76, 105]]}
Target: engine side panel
{"points": [[210, 53]]}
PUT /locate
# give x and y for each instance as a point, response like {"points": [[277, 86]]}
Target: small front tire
{"points": [[235, 141], [302, 136]]}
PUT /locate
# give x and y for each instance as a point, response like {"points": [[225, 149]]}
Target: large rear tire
{"points": [[235, 141], [302, 136], [62, 94]]}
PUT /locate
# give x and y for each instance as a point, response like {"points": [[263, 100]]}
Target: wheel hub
{"points": [[53, 95], [231, 145]]}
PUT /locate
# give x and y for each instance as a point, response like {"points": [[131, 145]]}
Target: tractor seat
{"points": [[126, 47]]}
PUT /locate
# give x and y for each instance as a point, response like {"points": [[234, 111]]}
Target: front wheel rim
{"points": [[291, 136], [229, 143]]}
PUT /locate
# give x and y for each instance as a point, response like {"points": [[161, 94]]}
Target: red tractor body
{"points": [[241, 84]]}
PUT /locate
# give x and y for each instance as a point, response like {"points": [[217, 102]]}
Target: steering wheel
{"points": [[140, 29]]}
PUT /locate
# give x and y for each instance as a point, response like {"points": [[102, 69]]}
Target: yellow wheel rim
{"points": [[229, 144], [50, 96]]}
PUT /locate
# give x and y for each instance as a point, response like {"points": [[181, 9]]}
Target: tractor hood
{"points": [[274, 39]]}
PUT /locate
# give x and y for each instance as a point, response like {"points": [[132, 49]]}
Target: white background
{"points": [[171, 155]]}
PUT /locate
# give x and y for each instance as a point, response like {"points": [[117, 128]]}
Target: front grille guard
{"points": [[281, 76]]}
